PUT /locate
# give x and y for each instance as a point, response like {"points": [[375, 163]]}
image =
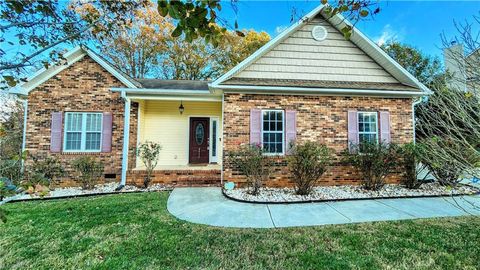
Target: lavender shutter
{"points": [[107, 132], [56, 132], [255, 126], [385, 136], [291, 127], [352, 129]]}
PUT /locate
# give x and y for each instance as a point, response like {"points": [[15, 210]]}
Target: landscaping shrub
{"points": [[250, 161], [149, 153], [373, 161], [11, 168], [90, 169], [308, 162], [441, 157], [410, 155], [49, 168], [7, 188]]}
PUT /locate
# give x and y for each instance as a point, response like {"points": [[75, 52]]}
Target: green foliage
{"points": [[410, 156], [49, 168], [149, 153], [308, 161], [90, 170], [195, 19], [11, 169], [373, 161], [7, 188], [425, 68], [251, 161]]}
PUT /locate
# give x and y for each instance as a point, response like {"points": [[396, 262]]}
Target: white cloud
{"points": [[280, 29], [389, 34]]}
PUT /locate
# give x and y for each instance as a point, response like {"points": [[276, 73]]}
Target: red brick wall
{"points": [[319, 118], [84, 86]]}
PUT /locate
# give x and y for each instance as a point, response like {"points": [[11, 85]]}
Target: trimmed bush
{"points": [[373, 161], [250, 161], [49, 168], [307, 163], [149, 153], [410, 155], [90, 169]]}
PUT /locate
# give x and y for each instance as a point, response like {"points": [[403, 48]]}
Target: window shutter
{"points": [[385, 136], [107, 132], [291, 128], [255, 126], [352, 129], [56, 132]]}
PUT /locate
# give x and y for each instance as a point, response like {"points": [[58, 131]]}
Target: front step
{"points": [[187, 178]]}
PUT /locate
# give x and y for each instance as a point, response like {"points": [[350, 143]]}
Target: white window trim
{"points": [[83, 139], [283, 132], [369, 132], [210, 146]]}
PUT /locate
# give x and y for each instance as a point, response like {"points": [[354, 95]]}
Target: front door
{"points": [[199, 140]]}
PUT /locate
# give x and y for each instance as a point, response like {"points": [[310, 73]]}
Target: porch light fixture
{"points": [[181, 108]]}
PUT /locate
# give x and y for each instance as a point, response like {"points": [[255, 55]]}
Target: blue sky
{"points": [[417, 23]]}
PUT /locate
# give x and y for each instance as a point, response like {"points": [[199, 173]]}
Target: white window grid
{"points": [[82, 125], [282, 132], [368, 119]]}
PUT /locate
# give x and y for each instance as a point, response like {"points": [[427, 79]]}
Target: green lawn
{"points": [[135, 231]]}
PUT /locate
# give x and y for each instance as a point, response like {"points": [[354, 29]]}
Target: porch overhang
{"points": [[136, 94]]}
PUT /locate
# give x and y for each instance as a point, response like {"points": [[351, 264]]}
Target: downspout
{"points": [[126, 139], [24, 134], [415, 103]]}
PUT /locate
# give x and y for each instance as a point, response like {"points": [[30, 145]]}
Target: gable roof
{"points": [[391, 76], [72, 57]]}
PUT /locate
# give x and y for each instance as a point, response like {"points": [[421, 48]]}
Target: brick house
{"points": [[308, 83]]}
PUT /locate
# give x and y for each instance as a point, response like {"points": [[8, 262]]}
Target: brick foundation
{"points": [[177, 177], [319, 118]]}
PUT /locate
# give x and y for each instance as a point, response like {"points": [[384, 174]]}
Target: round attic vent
{"points": [[319, 33]]}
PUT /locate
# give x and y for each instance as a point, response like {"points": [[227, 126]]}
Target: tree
{"points": [[33, 33], [198, 18], [425, 68], [134, 47], [198, 60]]}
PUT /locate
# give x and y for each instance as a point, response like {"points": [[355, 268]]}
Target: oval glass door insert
{"points": [[199, 133]]}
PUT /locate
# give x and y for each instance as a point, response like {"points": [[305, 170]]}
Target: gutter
{"points": [[126, 140], [159, 91], [320, 91], [24, 133], [415, 103]]}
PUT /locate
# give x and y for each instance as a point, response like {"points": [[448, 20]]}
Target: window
{"points": [[83, 132], [273, 131], [367, 127], [214, 139]]}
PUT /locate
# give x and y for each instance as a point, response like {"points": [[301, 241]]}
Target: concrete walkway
{"points": [[208, 206]]}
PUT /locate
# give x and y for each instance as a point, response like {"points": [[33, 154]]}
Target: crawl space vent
{"points": [[319, 33]]}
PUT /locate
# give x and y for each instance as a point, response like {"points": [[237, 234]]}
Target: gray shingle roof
{"points": [[173, 84]]}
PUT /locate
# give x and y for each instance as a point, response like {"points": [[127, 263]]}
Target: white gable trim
{"points": [[72, 56], [379, 55], [358, 38], [267, 47]]}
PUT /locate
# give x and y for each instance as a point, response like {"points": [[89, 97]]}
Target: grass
{"points": [[135, 231]]}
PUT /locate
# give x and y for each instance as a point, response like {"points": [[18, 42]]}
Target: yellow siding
{"points": [[160, 121]]}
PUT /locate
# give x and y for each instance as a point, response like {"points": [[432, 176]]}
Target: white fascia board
{"points": [[72, 57], [379, 55], [44, 74], [267, 47], [318, 91], [176, 98], [151, 91]]}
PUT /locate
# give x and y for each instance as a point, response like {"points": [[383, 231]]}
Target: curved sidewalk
{"points": [[208, 206]]}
